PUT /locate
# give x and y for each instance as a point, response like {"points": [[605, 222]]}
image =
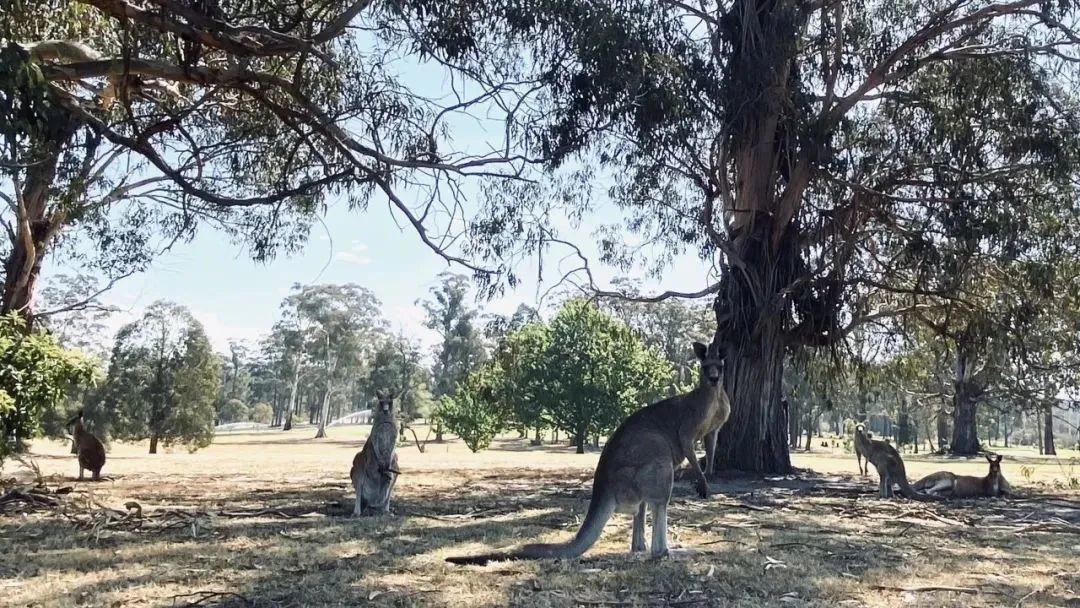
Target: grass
{"points": [[263, 516]]}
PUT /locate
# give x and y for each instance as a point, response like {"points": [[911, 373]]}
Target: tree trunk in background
{"points": [[942, 428], [965, 437], [579, 441], [1005, 432], [438, 432], [153, 443], [794, 425], [537, 437], [1048, 432], [324, 411]]}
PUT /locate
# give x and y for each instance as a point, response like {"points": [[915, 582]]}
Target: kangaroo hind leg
{"points": [[637, 540]]}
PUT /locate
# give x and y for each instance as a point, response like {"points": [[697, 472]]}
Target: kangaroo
{"points": [[966, 486], [637, 466], [375, 467], [864, 462], [889, 465], [90, 452]]}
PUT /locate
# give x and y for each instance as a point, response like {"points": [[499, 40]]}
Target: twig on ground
{"points": [[931, 588], [202, 597]]}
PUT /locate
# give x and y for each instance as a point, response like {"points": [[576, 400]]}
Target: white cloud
{"points": [[221, 332], [354, 254], [349, 257]]}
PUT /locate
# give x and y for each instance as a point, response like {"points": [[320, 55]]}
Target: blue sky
{"points": [[237, 299]]}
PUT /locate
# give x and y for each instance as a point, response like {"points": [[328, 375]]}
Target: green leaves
{"points": [[582, 373], [35, 375], [163, 380]]}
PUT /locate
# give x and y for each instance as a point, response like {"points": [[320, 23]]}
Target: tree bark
{"points": [[153, 443], [324, 411], [965, 438], [35, 226], [942, 428], [1049, 448], [579, 440], [754, 438]]}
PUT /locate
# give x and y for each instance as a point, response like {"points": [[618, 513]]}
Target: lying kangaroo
{"points": [[889, 465], [944, 483], [375, 467], [637, 466], [91, 452]]}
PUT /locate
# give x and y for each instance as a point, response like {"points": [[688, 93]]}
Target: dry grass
{"points": [[260, 519]]}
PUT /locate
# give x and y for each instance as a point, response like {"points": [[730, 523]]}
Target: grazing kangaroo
{"points": [[637, 466], [864, 462], [889, 465], [944, 483], [90, 452], [375, 467]]}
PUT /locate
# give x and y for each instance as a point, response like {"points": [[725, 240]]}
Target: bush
{"points": [[472, 418], [262, 413], [233, 410]]}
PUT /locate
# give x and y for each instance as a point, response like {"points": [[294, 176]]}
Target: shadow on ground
{"points": [[797, 541]]}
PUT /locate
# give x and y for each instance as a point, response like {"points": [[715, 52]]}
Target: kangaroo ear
{"points": [[998, 458], [379, 394], [700, 350]]}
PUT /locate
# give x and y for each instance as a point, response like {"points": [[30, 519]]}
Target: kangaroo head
{"points": [[76, 418], [386, 401], [995, 464], [712, 363]]}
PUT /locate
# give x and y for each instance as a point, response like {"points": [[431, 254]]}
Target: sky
{"points": [[236, 298]]}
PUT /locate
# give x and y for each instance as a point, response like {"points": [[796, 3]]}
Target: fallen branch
{"points": [[202, 597], [932, 588]]}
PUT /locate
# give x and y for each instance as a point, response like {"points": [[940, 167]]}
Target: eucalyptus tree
{"points": [[340, 327], [669, 326], [461, 349], [396, 367], [785, 141], [163, 380], [137, 123]]}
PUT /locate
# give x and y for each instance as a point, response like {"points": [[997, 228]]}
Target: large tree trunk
{"points": [[579, 441], [153, 443], [754, 438], [965, 438], [35, 226], [752, 340], [1048, 432]]}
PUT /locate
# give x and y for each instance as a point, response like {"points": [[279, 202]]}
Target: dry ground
{"points": [[264, 516]]}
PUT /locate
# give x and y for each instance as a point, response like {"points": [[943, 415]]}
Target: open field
{"points": [[263, 516]]}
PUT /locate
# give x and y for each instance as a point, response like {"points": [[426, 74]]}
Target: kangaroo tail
{"points": [[600, 510], [908, 492]]}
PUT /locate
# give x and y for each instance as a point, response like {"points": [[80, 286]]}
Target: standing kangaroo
{"points": [[944, 483], [637, 466], [889, 465], [864, 462], [90, 452], [375, 467]]}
